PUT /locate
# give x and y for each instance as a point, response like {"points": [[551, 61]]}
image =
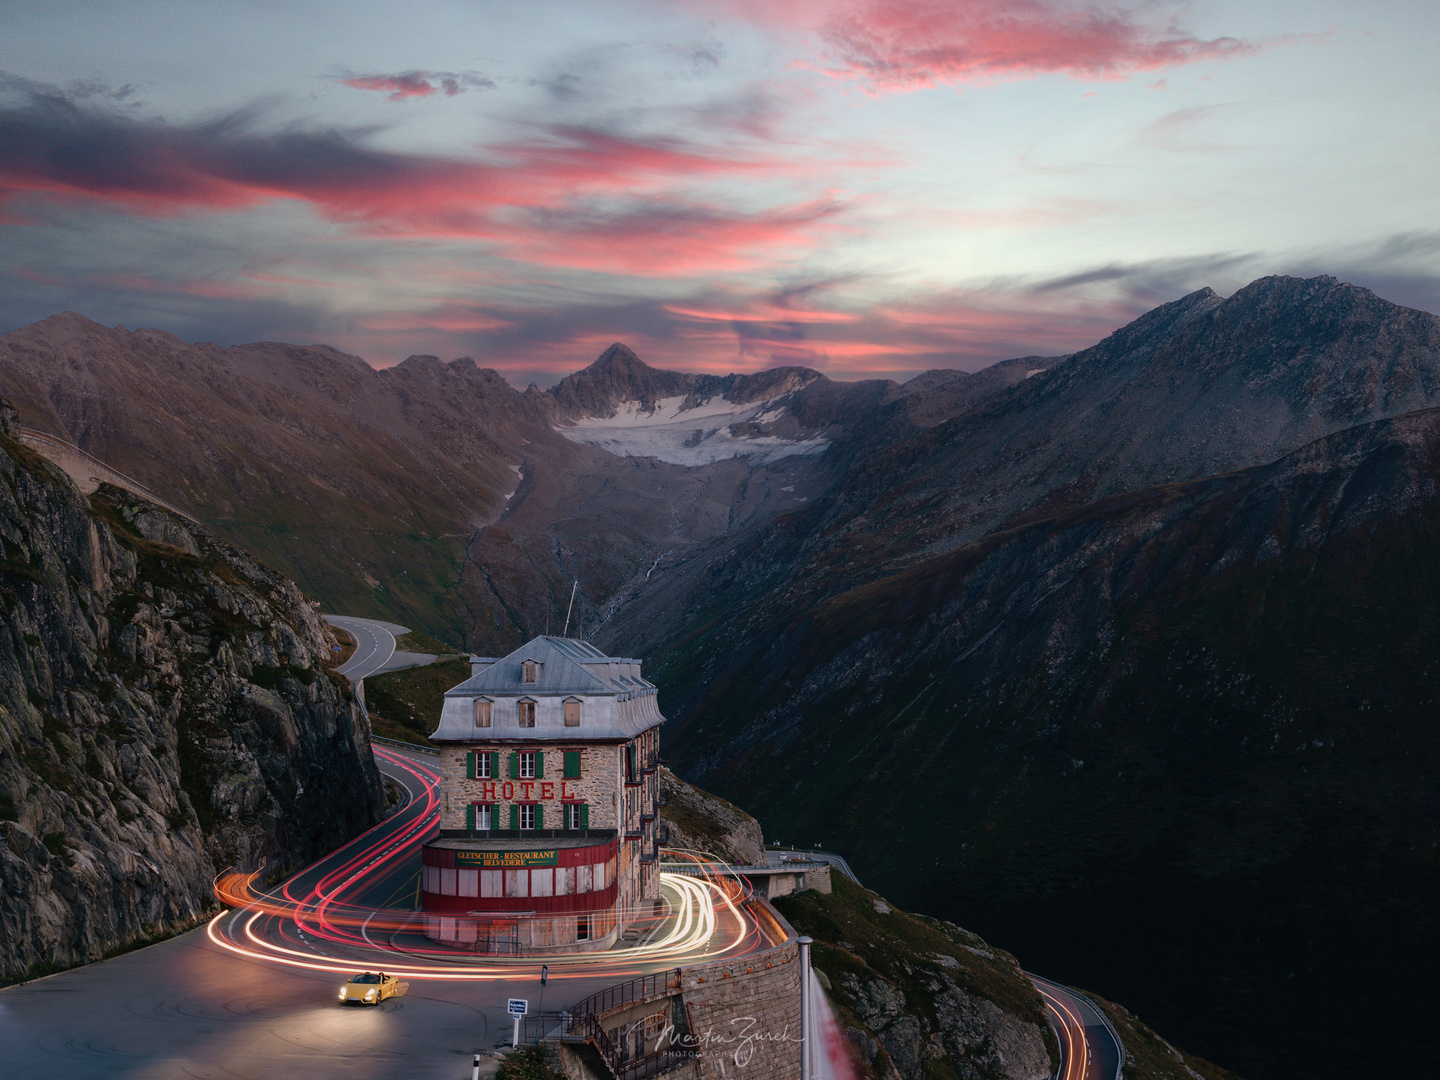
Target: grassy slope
{"points": [[406, 704], [421, 642], [1149, 1057], [852, 935]]}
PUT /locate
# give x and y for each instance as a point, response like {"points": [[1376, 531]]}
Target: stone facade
{"points": [[508, 732], [598, 786]]}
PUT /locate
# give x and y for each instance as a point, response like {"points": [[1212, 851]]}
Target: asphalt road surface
{"points": [[1089, 1049], [375, 649], [228, 1001]]}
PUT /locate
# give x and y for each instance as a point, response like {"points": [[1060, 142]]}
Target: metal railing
{"points": [[620, 1058], [403, 745], [582, 1025], [658, 984], [598, 835]]}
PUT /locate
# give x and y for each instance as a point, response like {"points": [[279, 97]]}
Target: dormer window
{"points": [[530, 672], [482, 712], [572, 712], [526, 713]]}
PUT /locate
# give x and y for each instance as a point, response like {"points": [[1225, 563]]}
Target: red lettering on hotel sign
{"points": [[507, 791], [547, 790]]}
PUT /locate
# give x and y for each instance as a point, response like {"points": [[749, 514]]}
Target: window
{"points": [[482, 713], [527, 816], [572, 714], [582, 928], [531, 672], [482, 765], [572, 764], [577, 816], [527, 765], [527, 714], [479, 816]]}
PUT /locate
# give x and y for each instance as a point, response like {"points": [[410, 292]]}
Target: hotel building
{"points": [[548, 802]]}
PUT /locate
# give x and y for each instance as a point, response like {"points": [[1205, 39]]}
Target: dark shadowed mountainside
{"points": [[1180, 742]]}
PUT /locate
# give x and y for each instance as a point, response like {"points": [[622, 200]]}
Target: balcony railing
{"points": [[582, 1024], [526, 834]]}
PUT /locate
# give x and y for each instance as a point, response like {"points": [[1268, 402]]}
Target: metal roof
{"points": [[566, 666]]}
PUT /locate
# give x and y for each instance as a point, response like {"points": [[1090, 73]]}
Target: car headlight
{"points": [[370, 995], [342, 993]]}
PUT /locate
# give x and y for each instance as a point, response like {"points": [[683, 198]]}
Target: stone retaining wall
{"points": [[743, 1014]]}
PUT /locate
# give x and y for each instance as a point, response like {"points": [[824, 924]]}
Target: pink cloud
{"points": [[573, 197], [899, 45], [420, 84]]}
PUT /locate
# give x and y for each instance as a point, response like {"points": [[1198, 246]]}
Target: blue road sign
{"points": [[519, 1006]]}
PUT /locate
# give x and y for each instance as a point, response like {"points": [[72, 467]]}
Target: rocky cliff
{"points": [[700, 821], [163, 715]]}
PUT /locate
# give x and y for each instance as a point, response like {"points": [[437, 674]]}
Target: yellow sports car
{"points": [[369, 988]]}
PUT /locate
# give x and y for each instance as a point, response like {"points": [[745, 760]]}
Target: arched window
{"points": [[482, 712], [527, 713], [530, 672]]}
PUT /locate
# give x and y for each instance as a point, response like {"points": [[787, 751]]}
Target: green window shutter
{"points": [[539, 816], [515, 765], [539, 766], [584, 815], [470, 815], [572, 764], [514, 814], [495, 765], [470, 766]]}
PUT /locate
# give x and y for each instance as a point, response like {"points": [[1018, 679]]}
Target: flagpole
{"points": [[807, 1070]]}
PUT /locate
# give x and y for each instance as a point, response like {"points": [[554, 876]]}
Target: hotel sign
{"points": [[495, 860]]}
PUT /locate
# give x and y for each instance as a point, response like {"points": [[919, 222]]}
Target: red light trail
{"points": [[327, 926]]}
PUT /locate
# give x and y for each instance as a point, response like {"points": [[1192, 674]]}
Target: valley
{"points": [[1121, 657]]}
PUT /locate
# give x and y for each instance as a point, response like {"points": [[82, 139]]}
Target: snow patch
{"points": [[698, 436]]}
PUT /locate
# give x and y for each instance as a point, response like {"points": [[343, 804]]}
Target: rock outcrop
{"points": [[700, 821], [921, 998], [163, 715]]}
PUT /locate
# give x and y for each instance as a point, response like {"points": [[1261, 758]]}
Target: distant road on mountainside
{"points": [[375, 647], [1089, 1047]]}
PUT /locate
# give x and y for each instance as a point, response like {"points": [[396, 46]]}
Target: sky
{"points": [[872, 188]]}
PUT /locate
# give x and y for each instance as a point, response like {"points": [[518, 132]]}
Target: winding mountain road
{"points": [[1089, 1047], [376, 649], [251, 994]]}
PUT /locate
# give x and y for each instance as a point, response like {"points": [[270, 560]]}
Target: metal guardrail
{"points": [[658, 984], [397, 743], [690, 869], [837, 861], [41, 441]]}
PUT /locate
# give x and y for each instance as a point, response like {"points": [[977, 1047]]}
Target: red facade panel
{"points": [[538, 905], [565, 856]]}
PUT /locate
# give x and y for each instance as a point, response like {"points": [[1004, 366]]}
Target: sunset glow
{"points": [[872, 188]]}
